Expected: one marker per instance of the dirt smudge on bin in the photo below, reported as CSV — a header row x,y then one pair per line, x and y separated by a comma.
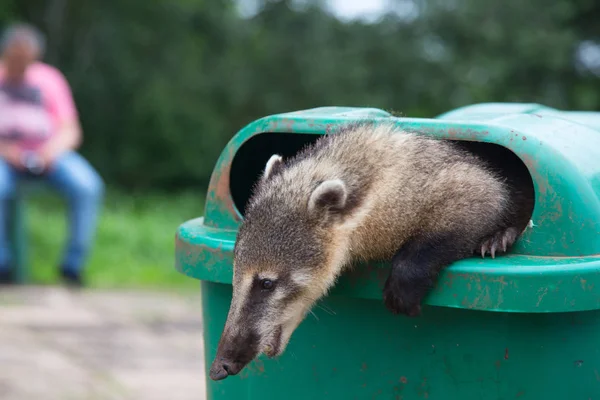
x,y
260,366
423,391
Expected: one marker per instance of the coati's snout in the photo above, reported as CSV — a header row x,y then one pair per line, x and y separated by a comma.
x,y
237,348
231,358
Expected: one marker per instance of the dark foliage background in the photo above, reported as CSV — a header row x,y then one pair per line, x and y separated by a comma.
x,y
162,85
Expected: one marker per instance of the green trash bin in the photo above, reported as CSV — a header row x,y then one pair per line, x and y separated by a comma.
x,y
520,326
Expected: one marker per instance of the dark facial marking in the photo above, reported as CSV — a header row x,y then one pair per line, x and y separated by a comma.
x,y
256,303
260,293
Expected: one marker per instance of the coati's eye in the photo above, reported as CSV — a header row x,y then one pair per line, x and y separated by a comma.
x,y
267,284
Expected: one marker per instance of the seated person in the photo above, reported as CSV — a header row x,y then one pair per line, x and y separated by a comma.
x,y
39,132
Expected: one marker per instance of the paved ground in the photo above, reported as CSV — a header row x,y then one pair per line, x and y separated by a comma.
x,y
57,344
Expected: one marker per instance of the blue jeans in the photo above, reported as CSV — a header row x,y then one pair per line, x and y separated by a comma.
x,y
80,184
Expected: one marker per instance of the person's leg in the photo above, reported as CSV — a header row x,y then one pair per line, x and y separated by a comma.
x,y
83,189
8,179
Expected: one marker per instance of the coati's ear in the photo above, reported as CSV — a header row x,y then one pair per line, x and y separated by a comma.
x,y
273,165
329,195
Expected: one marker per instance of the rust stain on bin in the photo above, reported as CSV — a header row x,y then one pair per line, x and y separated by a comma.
x,y
219,200
287,123
260,366
206,256
458,133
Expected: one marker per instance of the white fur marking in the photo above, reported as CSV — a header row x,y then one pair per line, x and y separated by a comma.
x,y
277,296
271,277
301,278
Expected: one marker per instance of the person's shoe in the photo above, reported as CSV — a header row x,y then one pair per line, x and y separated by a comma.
x,y
71,278
7,275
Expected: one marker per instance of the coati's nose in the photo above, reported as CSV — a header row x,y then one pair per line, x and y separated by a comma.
x,y
221,369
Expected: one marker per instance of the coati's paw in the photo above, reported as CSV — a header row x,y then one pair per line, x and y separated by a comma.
x,y
500,241
400,299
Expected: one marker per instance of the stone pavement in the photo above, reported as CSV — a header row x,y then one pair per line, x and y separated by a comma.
x,y
99,345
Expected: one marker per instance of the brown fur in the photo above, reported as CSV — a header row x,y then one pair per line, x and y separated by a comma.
x,y
415,184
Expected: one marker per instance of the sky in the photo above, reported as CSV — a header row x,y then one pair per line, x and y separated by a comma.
x,y
367,10
361,9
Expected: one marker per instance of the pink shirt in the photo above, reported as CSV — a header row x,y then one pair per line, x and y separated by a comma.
x,y
37,123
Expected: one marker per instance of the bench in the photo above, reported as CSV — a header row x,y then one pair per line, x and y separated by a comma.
x,y
17,228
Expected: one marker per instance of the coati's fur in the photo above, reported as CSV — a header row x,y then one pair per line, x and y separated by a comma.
x,y
367,192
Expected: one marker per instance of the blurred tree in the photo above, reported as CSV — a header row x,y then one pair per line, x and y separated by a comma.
x,y
507,51
162,85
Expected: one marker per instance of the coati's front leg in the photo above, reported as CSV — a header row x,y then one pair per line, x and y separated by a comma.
x,y
415,268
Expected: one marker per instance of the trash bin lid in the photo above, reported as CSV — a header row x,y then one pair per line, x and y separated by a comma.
x,y
555,265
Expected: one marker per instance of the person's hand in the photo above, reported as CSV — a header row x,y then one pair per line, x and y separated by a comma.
x,y
50,152
47,156
13,155
68,138
23,160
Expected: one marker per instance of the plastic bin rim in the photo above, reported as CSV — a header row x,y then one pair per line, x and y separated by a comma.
x,y
511,283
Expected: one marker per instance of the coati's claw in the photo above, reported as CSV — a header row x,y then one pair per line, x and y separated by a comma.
x,y
500,241
484,248
400,300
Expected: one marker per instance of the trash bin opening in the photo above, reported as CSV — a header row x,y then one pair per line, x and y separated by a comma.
x,y
249,161
251,158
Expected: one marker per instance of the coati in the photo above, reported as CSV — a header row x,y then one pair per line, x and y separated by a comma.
x,y
368,192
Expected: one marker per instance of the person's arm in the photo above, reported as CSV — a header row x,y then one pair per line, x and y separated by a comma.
x,y
9,150
61,104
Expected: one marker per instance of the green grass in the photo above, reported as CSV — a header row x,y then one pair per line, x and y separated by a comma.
x,y
134,246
